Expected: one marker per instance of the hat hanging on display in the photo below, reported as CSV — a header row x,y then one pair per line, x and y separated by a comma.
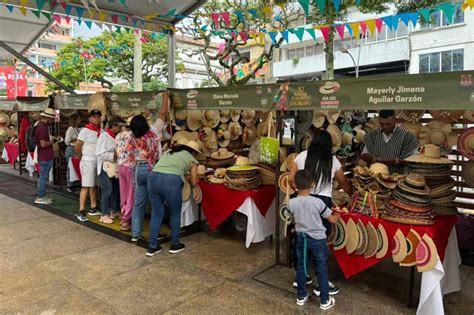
x,y
466,143
222,154
225,116
352,236
426,254
332,116
14,119
284,184
412,127
347,138
332,235
235,115
178,119
235,130
193,119
341,235
359,134
4,119
223,136
411,115
372,124
468,173
336,137
197,194
210,118
469,115
413,239
305,141
186,191
373,241
305,119
248,117
207,134
319,117
182,134
438,133
363,239
290,160
399,247
201,170
249,135
382,250
447,116
430,154
48,112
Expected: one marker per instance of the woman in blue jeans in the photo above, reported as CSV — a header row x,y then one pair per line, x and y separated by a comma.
x,y
165,184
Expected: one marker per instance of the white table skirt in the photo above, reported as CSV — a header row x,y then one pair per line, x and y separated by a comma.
x,y
189,212
259,227
442,279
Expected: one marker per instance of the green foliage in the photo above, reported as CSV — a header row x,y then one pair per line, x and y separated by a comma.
x,y
112,55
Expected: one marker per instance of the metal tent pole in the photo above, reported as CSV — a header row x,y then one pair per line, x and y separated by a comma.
x,y
172,60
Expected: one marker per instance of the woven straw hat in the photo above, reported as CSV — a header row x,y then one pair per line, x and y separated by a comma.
x,y
193,145
341,235
225,116
249,135
223,137
4,119
248,117
399,247
383,242
235,130
319,117
305,120
186,191
352,236
14,119
218,176
290,160
411,115
235,115
373,240
412,127
347,138
336,137
447,116
426,254
222,154
430,154
332,116
466,143
413,239
193,119
210,118
363,239
283,183
360,134
182,134
197,194
414,184
201,170
438,133
468,173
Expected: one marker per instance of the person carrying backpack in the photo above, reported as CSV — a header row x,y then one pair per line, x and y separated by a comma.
x,y
44,144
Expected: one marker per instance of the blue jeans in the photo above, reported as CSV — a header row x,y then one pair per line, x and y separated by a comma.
x,y
165,188
45,168
319,251
110,195
141,198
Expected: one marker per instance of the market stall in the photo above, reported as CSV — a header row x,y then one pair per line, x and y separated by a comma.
x,y
8,133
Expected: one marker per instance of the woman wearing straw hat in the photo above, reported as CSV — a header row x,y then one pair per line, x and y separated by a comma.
x,y
324,167
165,185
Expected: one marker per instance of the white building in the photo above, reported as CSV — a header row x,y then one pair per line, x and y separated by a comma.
x,y
390,51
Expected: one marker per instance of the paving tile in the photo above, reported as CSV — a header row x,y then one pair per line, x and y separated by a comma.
x,y
156,288
21,213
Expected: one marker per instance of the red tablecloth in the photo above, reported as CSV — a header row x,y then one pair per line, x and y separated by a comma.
x,y
12,152
219,202
351,264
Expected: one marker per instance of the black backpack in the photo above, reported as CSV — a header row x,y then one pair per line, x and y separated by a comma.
x,y
30,138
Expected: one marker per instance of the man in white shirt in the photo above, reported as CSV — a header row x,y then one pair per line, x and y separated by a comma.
x,y
107,171
85,150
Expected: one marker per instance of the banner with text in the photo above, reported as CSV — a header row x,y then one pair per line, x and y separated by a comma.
x,y
133,101
77,102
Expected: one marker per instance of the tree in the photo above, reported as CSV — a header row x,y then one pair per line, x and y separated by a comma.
x,y
246,19
111,55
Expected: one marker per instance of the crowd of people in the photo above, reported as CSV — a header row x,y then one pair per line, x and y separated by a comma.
x,y
126,160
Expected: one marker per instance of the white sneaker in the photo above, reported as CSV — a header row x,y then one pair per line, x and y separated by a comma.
x,y
330,303
43,201
302,301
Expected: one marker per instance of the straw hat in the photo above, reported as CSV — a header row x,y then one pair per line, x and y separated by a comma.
x,y
235,130
329,87
336,137
373,240
305,119
223,136
413,239
332,116
352,236
249,135
193,145
283,183
97,101
447,116
207,134
305,141
225,116
319,117
4,119
210,118
218,176
414,184
411,115
178,118
466,143
290,160
383,242
399,247
235,115
222,154
426,254
242,161
412,127
182,134
248,117
210,146
430,154
468,173
372,124
469,115
14,119
197,194
438,133
347,138
193,119
332,235
341,235
359,134
363,239
201,170
186,191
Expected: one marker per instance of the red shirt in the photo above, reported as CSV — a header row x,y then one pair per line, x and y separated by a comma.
x,y
42,133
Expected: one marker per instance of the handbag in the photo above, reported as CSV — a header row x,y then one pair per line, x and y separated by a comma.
x,y
110,168
269,146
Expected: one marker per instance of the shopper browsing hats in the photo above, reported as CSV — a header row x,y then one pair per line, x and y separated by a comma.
x,y
85,150
389,144
70,140
165,185
311,237
107,171
45,152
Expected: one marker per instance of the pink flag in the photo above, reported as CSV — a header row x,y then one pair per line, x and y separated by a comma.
x,y
226,18
378,24
114,18
215,18
363,27
340,30
325,31
243,36
57,19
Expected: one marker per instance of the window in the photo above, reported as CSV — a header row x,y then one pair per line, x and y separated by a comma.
x,y
300,52
446,61
65,32
309,51
47,46
291,54
45,61
438,18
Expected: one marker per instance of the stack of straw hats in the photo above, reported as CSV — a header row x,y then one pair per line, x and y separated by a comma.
x,y
267,174
221,158
242,176
410,203
437,173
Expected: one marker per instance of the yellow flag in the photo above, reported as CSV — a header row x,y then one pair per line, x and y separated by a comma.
x,y
267,10
23,4
371,26
355,29
102,16
261,37
91,13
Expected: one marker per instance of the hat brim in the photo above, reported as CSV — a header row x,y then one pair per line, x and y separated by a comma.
x,y
47,116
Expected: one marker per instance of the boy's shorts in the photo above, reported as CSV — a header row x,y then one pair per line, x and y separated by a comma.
x,y
88,173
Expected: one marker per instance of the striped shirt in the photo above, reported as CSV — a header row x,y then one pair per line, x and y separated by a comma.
x,y
400,145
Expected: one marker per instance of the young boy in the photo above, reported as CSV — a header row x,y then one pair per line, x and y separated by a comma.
x,y
311,237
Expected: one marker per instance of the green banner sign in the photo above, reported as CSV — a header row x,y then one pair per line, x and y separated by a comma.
x,y
7,105
454,90
133,101
237,97
80,101
35,105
